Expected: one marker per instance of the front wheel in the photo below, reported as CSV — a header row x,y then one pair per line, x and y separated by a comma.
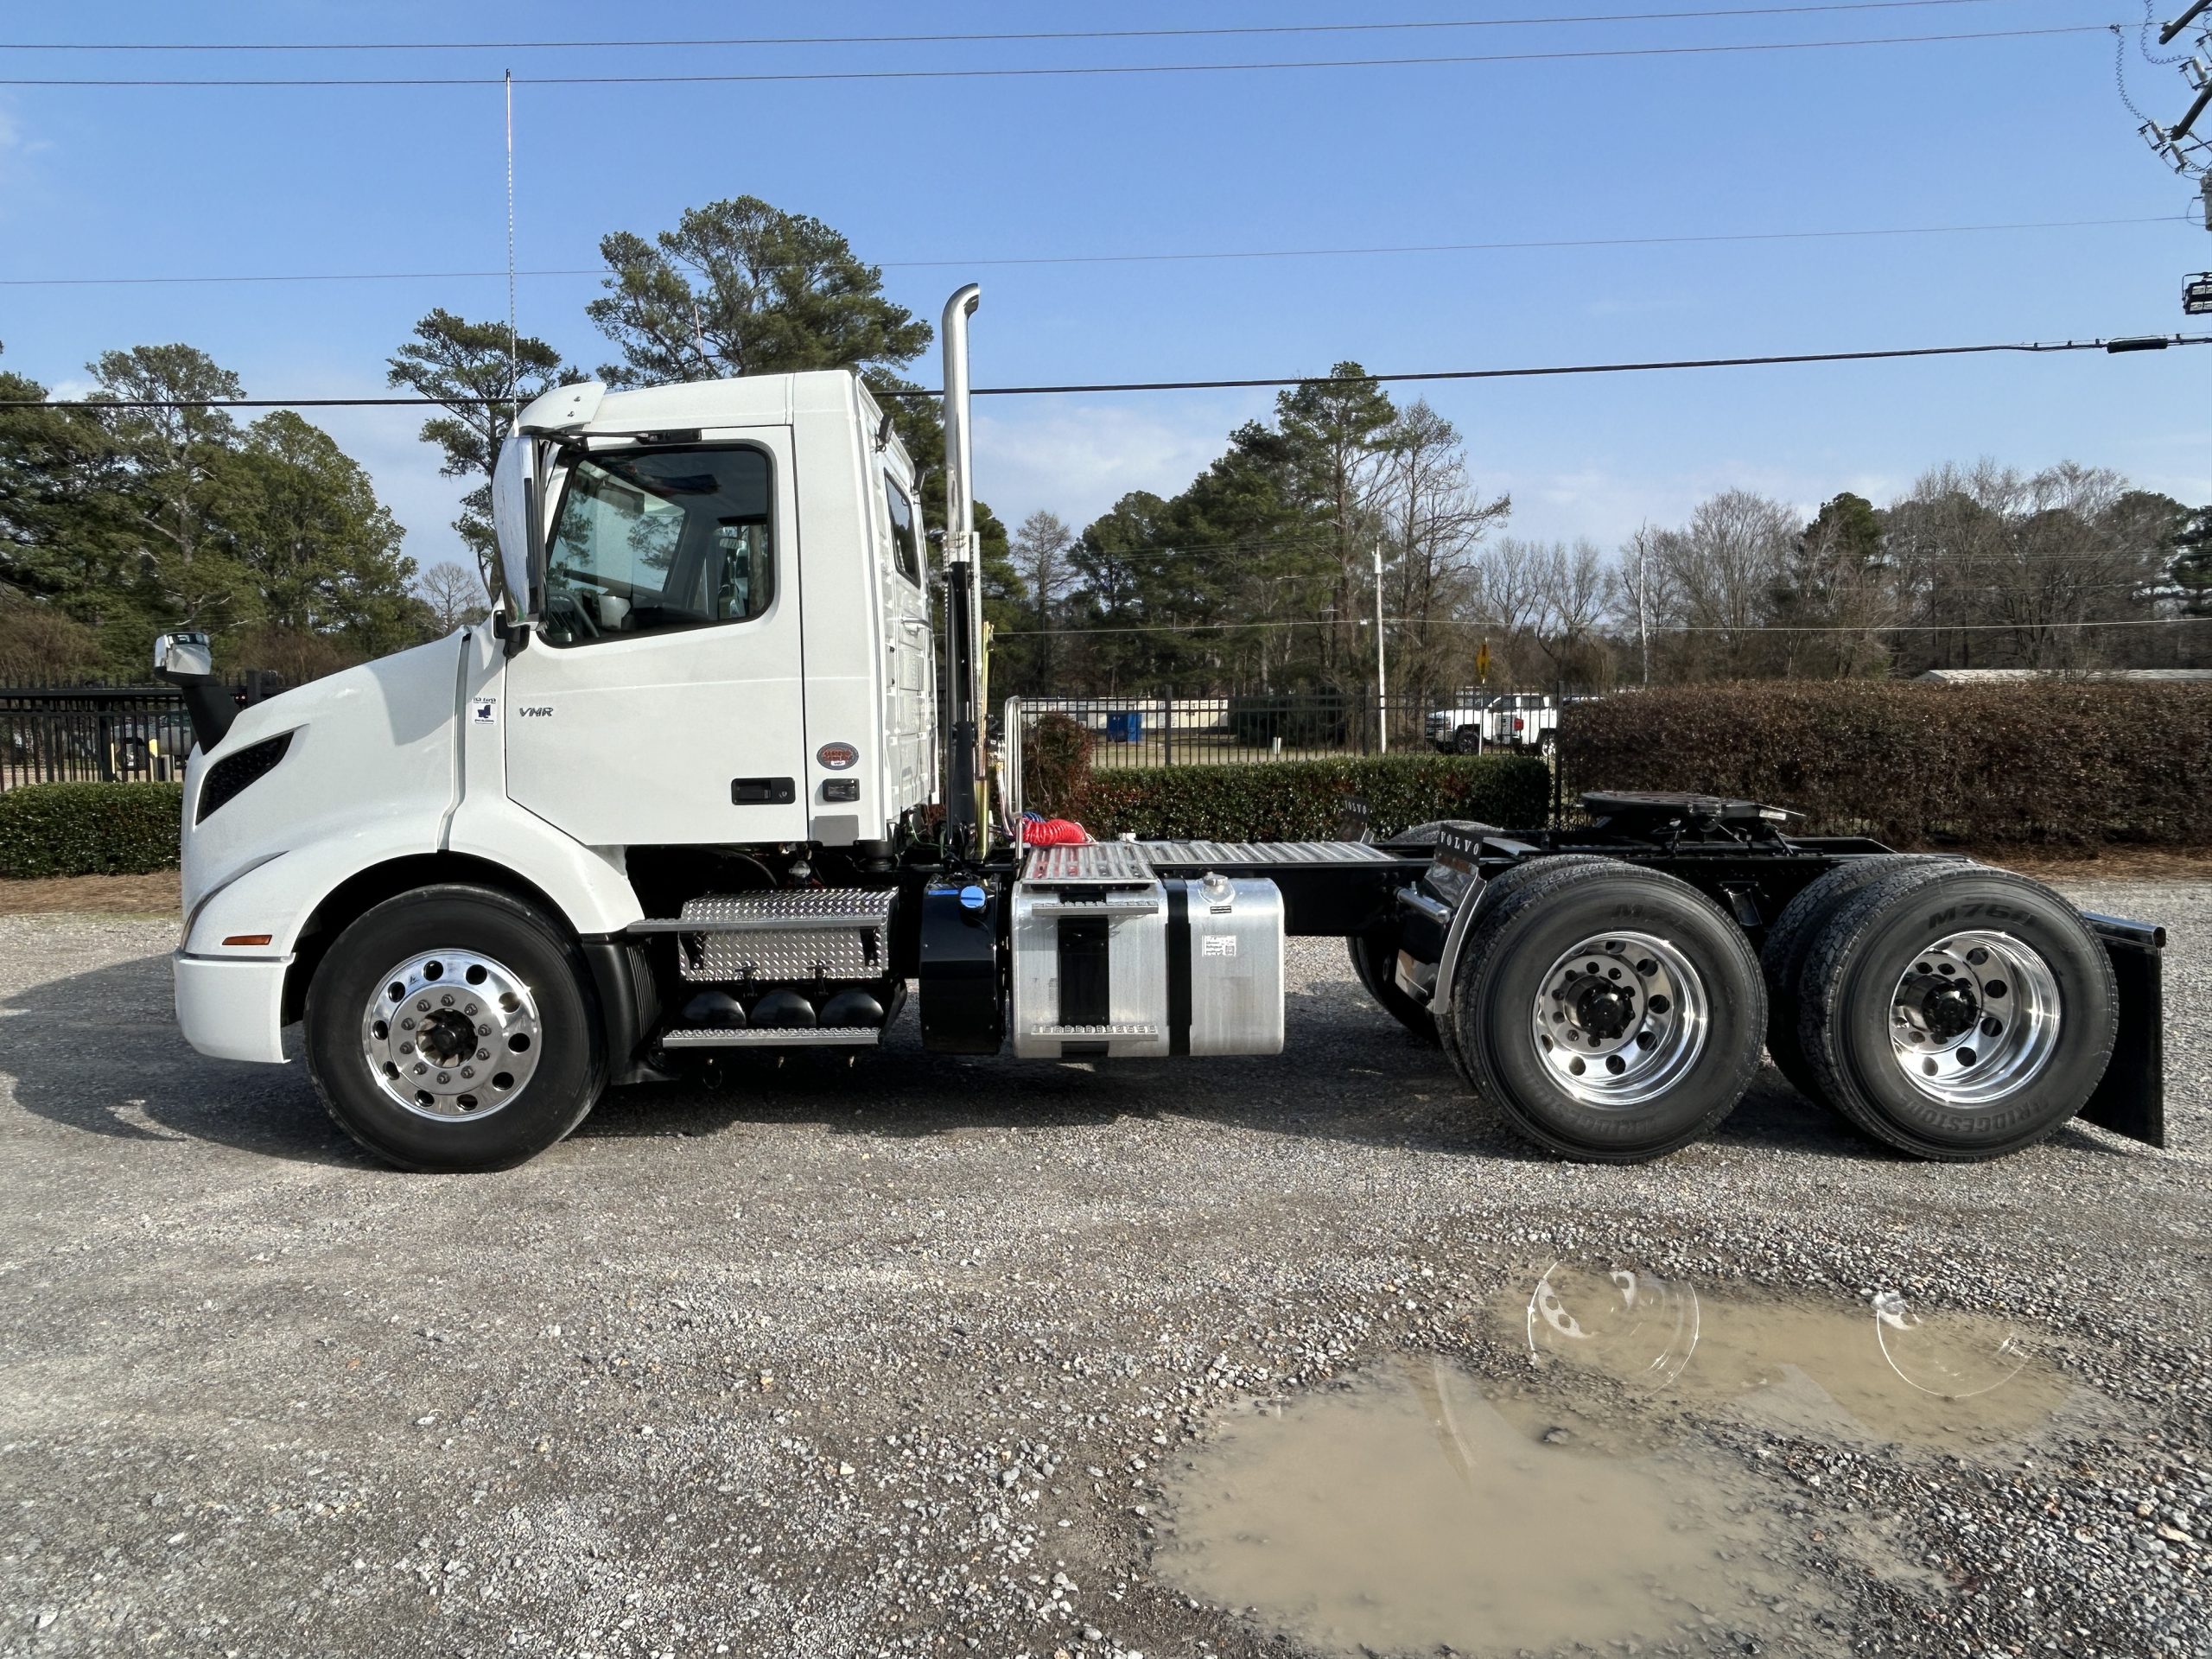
x,y
1466,740
1613,1014
451,1028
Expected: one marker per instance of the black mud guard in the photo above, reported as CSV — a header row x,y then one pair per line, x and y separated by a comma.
x,y
2131,1100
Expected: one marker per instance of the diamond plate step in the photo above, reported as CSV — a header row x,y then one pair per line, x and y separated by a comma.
x,y
773,1036
809,933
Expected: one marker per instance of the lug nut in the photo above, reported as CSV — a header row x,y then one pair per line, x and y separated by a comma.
x,y
483,1053
467,1071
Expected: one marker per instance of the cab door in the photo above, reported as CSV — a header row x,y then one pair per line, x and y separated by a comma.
x,y
909,651
662,700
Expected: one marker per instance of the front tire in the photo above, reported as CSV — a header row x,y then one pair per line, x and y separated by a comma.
x,y
453,1028
1957,1012
1466,740
1613,1014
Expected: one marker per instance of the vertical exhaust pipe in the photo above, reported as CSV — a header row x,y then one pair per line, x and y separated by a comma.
x,y
963,668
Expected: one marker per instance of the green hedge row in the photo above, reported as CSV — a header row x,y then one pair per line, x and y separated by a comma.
x,y
2060,762
1299,800
90,828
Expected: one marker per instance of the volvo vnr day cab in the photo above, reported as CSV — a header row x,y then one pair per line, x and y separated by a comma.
x,y
697,787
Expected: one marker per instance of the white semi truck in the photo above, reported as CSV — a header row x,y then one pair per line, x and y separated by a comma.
x,y
697,787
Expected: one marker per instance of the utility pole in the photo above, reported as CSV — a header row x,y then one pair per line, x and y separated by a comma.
x,y
2181,146
1381,692
1643,593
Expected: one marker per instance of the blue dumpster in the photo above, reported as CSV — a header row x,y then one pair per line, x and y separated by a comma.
x,y
1125,726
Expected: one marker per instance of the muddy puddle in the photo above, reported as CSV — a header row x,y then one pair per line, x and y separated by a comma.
x,y
1608,1490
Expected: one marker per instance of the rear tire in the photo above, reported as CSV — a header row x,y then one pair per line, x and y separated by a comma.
x,y
1613,1014
519,1015
1957,1012
1375,959
1782,960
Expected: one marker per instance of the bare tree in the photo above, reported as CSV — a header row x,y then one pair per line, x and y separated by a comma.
x,y
1644,605
1574,588
1041,550
454,595
1436,521
1727,566
1504,602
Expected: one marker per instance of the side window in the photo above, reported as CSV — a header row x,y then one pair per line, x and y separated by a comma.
x,y
650,540
904,550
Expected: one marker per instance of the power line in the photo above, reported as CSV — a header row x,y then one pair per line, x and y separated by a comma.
x,y
1553,243
1085,70
2118,344
1677,627
975,39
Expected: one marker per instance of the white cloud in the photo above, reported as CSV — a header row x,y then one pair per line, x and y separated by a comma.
x,y
1606,504
15,147
1077,460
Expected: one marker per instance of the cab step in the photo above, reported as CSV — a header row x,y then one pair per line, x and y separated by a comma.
x,y
773,1036
810,933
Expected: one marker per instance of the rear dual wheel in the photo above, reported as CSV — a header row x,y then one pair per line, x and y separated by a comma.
x,y
1952,1011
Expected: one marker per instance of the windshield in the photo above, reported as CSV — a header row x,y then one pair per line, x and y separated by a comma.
x,y
660,539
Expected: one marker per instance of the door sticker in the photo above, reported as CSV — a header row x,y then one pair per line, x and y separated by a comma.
x,y
838,756
484,711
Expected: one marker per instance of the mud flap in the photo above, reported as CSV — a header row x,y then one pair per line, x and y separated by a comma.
x,y
2131,1100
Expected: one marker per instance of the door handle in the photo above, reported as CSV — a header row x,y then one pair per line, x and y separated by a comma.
x,y
762,792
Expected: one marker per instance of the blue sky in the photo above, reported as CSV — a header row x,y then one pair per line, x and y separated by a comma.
x,y
144,181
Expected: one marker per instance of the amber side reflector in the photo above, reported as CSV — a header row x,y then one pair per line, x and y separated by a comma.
x,y
249,938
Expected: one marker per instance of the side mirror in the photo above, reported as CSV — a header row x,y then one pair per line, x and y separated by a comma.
x,y
188,660
183,658
517,521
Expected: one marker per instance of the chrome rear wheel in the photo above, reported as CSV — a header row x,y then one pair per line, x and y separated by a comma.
x,y
1975,1019
1619,1019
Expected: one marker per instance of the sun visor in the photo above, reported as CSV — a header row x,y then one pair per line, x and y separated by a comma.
x,y
565,409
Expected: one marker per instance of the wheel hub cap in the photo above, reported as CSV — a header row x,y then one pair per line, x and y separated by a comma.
x,y
1974,1019
451,1034
1619,1019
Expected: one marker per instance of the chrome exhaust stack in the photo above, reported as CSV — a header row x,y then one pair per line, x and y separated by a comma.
x,y
964,753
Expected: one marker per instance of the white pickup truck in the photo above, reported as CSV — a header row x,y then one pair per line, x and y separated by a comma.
x,y
1509,720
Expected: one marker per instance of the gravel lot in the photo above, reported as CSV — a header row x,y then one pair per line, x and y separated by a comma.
x,y
906,1357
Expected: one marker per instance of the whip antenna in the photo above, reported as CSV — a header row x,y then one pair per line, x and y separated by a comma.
x,y
514,375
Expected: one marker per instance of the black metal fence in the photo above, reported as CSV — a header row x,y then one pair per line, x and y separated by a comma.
x,y
1166,729
106,734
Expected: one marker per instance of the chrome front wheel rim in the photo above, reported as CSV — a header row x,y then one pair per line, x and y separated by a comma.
x,y
1620,1018
1974,1019
452,1035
